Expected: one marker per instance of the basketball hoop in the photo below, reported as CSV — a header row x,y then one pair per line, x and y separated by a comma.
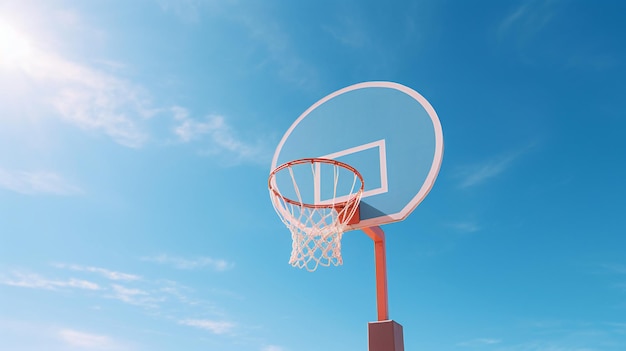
x,y
317,213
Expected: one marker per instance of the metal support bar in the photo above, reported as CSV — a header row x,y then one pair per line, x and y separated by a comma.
x,y
384,335
377,234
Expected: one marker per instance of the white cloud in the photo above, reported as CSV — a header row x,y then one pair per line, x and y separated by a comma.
x,y
36,182
479,342
178,291
528,19
88,341
112,275
215,327
619,328
547,346
271,42
480,172
468,227
183,263
217,138
86,97
513,18
126,294
190,129
279,50
615,268
350,32
101,101
164,299
567,335
37,282
95,100
187,10
135,296
180,113
33,335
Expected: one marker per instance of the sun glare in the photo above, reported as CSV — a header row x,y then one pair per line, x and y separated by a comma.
x,y
14,47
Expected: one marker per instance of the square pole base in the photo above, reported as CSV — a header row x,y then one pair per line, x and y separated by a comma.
x,y
385,336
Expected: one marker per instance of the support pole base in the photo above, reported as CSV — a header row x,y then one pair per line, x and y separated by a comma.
x,y
385,336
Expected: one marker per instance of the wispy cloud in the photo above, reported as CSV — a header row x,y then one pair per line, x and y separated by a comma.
x,y
350,32
36,182
617,271
547,346
187,10
528,19
479,342
527,25
215,327
216,137
82,340
29,280
160,298
272,44
84,96
135,290
112,275
189,129
92,107
98,99
614,268
467,227
37,335
478,173
135,296
178,291
619,328
279,50
195,263
566,335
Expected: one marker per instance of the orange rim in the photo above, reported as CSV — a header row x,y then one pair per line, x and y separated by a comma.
x,y
313,160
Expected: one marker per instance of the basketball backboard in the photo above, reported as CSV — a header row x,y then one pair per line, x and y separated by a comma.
x,y
387,131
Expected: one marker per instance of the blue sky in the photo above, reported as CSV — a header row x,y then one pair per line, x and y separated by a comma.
x,y
136,139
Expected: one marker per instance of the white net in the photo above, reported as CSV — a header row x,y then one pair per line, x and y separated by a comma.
x,y
316,226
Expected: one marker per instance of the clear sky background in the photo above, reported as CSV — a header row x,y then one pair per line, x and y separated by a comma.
x,y
136,139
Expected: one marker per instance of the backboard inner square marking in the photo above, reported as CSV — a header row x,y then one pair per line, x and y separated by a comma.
x,y
375,179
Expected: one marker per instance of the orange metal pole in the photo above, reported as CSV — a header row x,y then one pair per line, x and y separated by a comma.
x,y
377,234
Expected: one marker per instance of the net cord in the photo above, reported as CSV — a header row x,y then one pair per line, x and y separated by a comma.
x,y
316,231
